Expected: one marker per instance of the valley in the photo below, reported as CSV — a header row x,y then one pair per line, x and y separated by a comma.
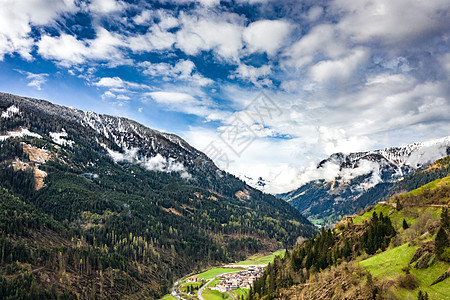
x,y
102,207
127,209
210,284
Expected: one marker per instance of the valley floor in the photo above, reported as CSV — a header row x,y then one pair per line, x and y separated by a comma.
x,y
206,285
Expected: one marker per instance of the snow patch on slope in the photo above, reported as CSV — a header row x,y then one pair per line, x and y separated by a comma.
x,y
20,133
60,138
10,111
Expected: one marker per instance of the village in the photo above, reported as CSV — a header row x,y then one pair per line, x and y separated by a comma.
x,y
242,279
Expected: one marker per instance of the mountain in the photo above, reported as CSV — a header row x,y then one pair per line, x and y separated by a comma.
x,y
96,206
346,183
395,250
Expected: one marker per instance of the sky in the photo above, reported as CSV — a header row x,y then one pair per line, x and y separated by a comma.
x,y
265,88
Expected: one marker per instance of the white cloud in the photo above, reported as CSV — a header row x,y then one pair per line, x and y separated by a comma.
x,y
155,163
258,76
106,6
110,82
117,83
340,69
206,3
388,21
186,103
322,40
314,13
155,39
66,50
332,140
166,20
144,17
445,63
122,97
182,70
266,35
108,94
172,98
36,80
222,34
18,17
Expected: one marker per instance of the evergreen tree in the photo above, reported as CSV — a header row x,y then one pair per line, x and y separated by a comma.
x,y
405,224
420,296
441,241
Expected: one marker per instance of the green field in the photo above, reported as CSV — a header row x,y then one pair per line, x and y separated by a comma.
x,y
260,259
410,214
214,282
388,265
430,186
239,292
214,295
211,273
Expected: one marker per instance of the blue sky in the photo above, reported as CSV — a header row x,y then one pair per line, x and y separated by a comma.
x,y
339,75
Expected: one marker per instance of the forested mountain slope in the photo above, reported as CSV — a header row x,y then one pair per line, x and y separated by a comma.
x,y
101,206
396,250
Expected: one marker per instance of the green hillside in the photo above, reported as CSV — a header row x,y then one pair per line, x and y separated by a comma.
x,y
394,250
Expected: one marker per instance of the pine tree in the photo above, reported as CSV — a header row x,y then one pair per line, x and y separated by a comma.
x,y
441,241
405,224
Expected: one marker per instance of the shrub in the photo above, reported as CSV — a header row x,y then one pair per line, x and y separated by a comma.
x,y
407,281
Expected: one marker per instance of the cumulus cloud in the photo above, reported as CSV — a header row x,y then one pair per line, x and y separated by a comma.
x,y
163,18
117,82
67,50
199,33
266,35
18,17
339,69
332,140
389,21
322,40
258,76
156,39
105,6
182,70
314,13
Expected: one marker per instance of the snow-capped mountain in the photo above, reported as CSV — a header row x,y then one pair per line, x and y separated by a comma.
x,y
400,160
345,183
131,141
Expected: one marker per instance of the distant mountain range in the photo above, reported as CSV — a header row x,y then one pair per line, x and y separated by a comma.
x,y
354,181
104,207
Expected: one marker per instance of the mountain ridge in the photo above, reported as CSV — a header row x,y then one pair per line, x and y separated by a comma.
x,y
346,183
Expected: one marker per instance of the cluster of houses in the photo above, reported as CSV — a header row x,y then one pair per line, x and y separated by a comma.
x,y
241,279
